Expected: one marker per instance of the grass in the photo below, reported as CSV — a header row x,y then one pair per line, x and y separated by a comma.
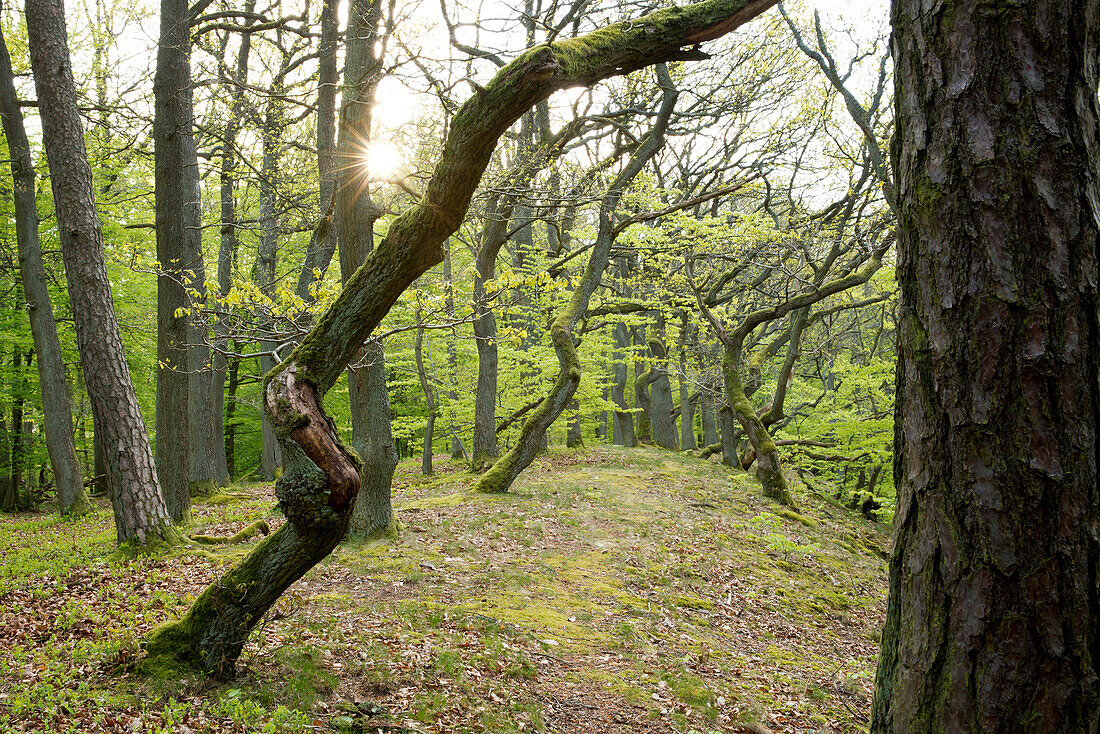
x,y
613,589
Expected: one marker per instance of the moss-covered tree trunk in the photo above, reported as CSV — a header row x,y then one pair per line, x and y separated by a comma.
x,y
993,618
319,488
768,468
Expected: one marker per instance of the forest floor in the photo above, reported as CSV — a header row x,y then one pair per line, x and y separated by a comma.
x,y
612,590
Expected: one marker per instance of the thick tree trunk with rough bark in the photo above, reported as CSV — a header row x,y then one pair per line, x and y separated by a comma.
x,y
322,481
140,512
993,618
57,407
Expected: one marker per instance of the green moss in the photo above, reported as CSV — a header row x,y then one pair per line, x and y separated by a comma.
x,y
792,515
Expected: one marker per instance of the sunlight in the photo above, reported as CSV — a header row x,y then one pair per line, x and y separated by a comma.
x,y
384,161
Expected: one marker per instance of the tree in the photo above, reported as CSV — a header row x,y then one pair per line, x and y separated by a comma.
x,y
185,438
320,485
57,405
992,620
140,512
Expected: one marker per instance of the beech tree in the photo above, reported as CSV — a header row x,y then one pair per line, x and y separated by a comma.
x,y
992,623
319,487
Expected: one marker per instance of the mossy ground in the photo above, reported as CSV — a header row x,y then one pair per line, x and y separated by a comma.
x,y
611,590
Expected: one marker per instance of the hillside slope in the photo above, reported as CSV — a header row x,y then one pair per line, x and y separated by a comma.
x,y
614,590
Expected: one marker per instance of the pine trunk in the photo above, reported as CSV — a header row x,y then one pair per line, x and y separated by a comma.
x,y
994,605
140,512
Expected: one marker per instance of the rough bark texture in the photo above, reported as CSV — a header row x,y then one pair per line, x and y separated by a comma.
x,y
179,251
140,512
994,606
57,408
322,479
322,244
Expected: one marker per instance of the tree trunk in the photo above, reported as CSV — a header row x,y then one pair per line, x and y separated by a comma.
x,y
322,244
573,437
224,467
643,376
664,426
319,488
768,469
371,429
57,410
429,398
500,477
706,416
457,452
14,484
729,435
992,621
179,251
140,512
623,421
687,405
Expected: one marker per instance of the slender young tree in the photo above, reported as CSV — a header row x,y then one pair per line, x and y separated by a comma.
x,y
992,622
140,512
184,447
54,384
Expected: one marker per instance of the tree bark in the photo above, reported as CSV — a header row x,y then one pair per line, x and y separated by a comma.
x,y
623,421
429,398
57,407
321,484
994,607
322,243
371,429
181,269
687,404
661,420
140,512
222,411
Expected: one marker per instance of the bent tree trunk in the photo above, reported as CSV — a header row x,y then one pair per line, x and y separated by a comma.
x,y
767,458
57,406
992,622
531,435
140,512
318,489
